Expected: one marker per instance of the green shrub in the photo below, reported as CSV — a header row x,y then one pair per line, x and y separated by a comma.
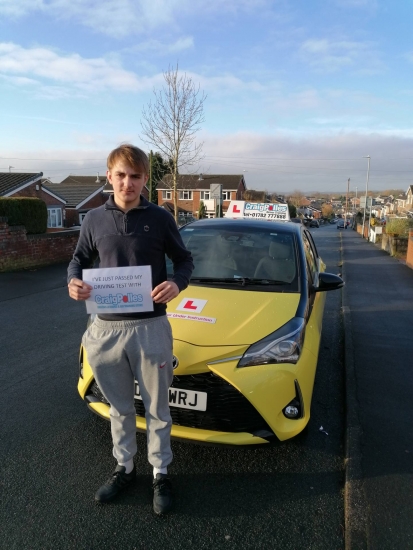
x,y
30,212
398,226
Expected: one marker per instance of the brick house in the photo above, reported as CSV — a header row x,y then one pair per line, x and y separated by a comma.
x,y
17,184
81,193
192,189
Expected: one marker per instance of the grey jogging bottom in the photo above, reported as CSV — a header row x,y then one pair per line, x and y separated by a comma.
x,y
120,352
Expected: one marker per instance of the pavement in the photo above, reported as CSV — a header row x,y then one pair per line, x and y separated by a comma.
x,y
48,277
378,328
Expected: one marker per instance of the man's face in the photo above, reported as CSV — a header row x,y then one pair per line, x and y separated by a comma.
x,y
127,183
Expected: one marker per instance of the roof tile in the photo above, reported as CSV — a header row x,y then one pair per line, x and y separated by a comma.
x,y
10,181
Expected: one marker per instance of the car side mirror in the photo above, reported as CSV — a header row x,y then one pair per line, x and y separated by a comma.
x,y
328,281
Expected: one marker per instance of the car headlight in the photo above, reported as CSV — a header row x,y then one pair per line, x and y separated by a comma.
x,y
282,346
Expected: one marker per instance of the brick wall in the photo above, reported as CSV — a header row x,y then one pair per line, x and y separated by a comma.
x,y
366,229
19,250
395,246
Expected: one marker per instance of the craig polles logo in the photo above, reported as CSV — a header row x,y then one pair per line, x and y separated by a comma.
x,y
119,299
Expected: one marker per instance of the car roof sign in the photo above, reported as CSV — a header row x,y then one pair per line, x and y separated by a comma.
x,y
258,211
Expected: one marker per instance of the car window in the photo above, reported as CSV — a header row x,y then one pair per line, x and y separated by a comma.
x,y
312,244
257,255
310,255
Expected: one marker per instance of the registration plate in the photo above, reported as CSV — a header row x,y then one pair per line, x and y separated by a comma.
x,y
183,399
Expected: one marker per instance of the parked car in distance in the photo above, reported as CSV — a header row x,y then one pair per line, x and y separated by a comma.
x,y
314,223
340,224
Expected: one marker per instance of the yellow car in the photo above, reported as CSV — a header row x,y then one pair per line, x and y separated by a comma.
x,y
246,334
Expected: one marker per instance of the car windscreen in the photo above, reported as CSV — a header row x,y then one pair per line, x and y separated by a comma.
x,y
244,257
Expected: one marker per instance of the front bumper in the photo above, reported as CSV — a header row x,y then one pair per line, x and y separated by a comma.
x,y
245,406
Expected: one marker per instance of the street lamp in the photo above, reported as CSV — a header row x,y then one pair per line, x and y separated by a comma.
x,y
367,187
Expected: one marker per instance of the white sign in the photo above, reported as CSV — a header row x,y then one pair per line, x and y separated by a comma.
x,y
192,305
216,190
258,211
119,289
363,202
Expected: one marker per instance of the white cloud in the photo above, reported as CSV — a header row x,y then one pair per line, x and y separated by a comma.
x,y
18,8
58,74
19,80
113,17
119,18
328,55
45,65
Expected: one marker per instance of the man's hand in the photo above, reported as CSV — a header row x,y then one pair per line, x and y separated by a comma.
x,y
79,290
165,292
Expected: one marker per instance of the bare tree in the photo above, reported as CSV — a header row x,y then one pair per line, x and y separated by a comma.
x,y
171,121
251,195
297,198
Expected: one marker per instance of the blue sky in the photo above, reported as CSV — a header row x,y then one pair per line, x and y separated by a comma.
x,y
298,92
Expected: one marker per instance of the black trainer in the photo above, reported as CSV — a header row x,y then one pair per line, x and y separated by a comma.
x,y
115,484
162,494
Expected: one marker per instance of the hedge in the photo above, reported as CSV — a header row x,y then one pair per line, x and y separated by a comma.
x,y
399,226
30,212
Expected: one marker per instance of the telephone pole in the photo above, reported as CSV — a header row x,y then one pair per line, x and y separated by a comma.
x,y
367,189
348,187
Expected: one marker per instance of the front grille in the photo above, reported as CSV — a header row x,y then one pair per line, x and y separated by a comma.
x,y
227,409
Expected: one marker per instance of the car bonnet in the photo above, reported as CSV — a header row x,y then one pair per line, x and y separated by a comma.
x,y
205,316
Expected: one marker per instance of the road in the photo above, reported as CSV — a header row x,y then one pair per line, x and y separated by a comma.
x,y
55,453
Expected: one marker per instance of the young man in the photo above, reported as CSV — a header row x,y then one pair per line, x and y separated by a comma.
x,y
130,231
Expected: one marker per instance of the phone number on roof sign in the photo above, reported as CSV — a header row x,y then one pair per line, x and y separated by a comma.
x,y
264,215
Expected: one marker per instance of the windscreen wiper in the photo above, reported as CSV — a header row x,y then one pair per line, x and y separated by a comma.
x,y
239,281
249,281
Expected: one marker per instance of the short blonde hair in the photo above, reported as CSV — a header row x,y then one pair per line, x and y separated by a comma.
x,y
131,155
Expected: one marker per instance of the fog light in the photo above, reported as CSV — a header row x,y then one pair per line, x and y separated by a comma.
x,y
291,411
295,408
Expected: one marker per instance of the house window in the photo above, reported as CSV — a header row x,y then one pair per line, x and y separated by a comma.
x,y
205,195
54,217
226,195
185,195
167,195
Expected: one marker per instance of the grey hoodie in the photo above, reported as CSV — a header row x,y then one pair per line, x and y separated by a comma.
x,y
141,236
